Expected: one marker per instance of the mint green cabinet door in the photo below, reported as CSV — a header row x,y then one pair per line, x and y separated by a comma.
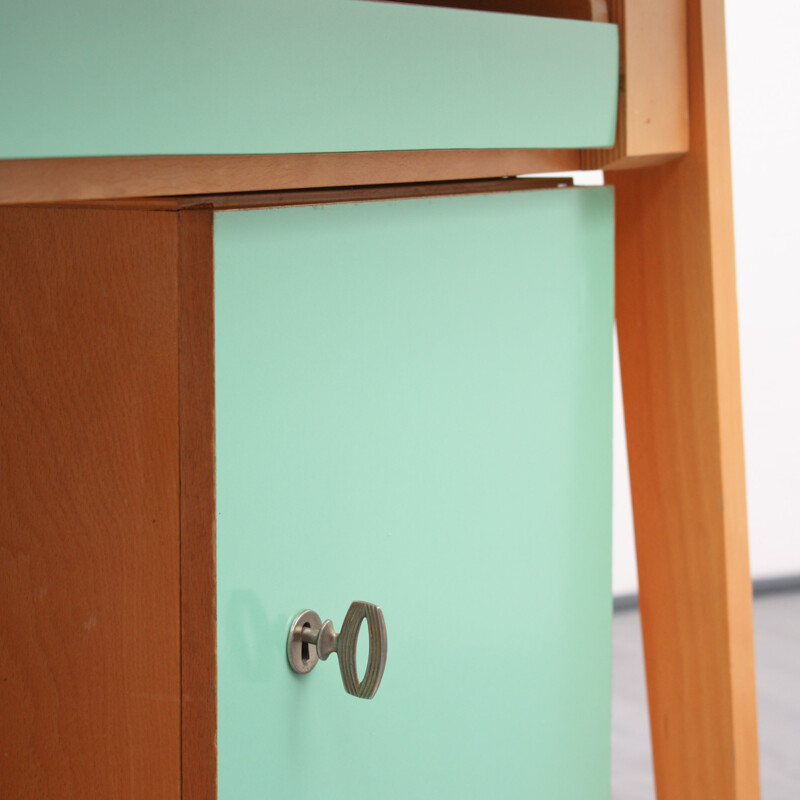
x,y
414,409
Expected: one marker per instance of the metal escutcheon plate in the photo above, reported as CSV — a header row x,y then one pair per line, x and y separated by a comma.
x,y
302,656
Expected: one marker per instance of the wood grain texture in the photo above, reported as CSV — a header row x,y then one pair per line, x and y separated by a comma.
x,y
89,548
589,10
777,635
198,509
315,197
653,116
677,323
53,180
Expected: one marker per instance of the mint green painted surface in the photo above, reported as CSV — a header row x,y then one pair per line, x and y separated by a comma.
x,y
107,77
414,409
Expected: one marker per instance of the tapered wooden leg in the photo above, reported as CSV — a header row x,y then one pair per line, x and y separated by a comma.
x,y
677,324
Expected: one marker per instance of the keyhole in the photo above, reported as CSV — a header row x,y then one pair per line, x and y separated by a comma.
x,y
304,651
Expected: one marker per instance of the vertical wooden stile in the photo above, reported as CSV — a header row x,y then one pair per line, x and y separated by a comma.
x,y
198,512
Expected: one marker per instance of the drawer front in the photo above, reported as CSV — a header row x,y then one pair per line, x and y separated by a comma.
x,y
95,78
414,409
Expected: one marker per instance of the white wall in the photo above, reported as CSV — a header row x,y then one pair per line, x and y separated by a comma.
x,y
764,96
764,78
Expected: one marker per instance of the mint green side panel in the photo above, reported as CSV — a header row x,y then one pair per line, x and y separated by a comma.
x,y
414,409
106,77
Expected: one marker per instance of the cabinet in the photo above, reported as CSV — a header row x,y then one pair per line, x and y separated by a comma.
x,y
409,396
108,575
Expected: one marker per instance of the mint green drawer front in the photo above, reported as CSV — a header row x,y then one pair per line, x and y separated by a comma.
x,y
103,77
414,409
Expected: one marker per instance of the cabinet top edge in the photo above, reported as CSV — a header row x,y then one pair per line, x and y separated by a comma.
x,y
322,196
61,180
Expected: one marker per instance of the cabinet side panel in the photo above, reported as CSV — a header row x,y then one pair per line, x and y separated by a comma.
x,y
89,548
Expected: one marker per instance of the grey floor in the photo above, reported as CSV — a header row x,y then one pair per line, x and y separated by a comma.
x,y
777,634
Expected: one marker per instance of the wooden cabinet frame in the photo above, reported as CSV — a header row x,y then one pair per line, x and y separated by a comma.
x,y
679,353
677,322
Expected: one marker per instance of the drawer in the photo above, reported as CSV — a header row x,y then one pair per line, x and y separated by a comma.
x,y
413,408
295,76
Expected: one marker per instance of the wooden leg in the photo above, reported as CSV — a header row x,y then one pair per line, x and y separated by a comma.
x,y
677,324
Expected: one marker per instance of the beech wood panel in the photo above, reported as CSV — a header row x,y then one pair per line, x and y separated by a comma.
x,y
89,549
677,323
198,509
653,115
53,180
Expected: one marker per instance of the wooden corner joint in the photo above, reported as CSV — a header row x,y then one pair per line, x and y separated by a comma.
x,y
653,113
